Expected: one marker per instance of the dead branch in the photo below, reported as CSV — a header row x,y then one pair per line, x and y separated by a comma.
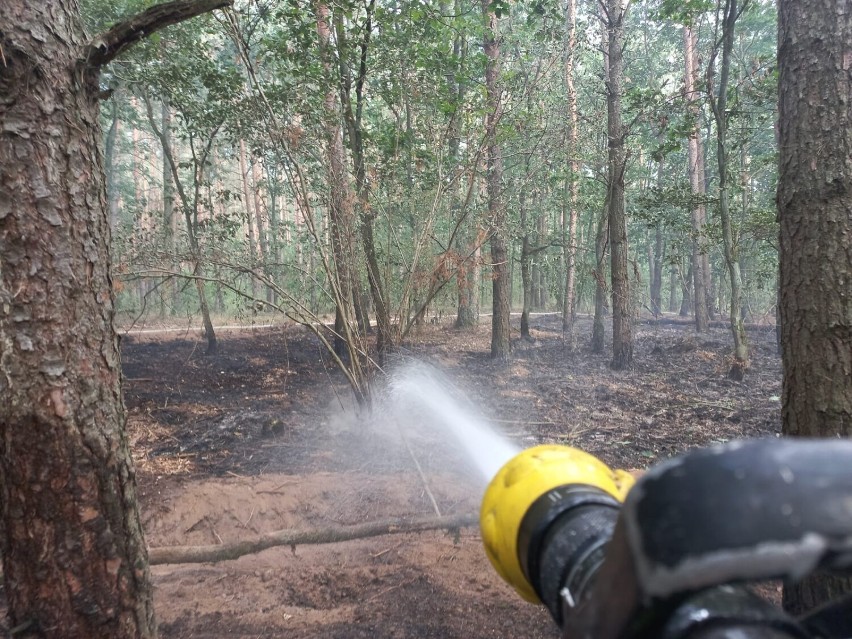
x,y
292,538
106,46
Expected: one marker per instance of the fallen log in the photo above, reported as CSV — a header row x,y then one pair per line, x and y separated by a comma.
x,y
677,321
293,538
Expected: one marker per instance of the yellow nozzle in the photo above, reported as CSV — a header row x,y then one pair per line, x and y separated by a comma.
x,y
521,481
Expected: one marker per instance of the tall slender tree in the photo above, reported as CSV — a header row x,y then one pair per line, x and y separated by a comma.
x,y
570,211
728,11
622,331
700,263
500,342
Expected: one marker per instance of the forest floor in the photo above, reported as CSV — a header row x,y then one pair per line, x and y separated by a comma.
x,y
264,437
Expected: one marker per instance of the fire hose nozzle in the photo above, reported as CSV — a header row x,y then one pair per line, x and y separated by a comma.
x,y
527,485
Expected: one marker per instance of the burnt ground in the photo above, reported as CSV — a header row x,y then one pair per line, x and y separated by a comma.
x,y
264,436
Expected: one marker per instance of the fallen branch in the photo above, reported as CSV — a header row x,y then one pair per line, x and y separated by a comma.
x,y
293,538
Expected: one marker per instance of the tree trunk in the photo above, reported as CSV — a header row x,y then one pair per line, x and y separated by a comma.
x,y
601,241
467,280
696,180
622,332
169,218
190,214
500,343
673,278
569,230
75,562
248,203
340,199
527,273
814,205
657,271
719,103
686,292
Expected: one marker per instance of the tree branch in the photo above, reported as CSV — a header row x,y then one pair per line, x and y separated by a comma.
x,y
106,46
233,550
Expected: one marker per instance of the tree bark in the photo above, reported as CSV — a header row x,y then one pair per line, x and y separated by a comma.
x,y
341,200
75,563
500,305
386,337
815,212
686,291
601,242
569,226
527,278
169,218
696,180
622,332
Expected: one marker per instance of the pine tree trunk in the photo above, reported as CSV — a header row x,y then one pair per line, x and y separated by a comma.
x,y
569,231
815,212
169,217
500,268
622,332
248,203
696,180
601,241
75,562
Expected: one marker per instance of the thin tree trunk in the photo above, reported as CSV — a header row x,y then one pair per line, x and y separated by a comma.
x,y
569,308
248,202
190,213
719,101
500,267
622,332
601,242
341,200
169,218
686,291
696,180
673,289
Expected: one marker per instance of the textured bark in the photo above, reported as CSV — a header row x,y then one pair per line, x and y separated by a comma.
x,y
341,203
386,335
527,276
500,305
622,331
75,563
696,180
815,213
169,217
601,241
248,202
673,289
569,226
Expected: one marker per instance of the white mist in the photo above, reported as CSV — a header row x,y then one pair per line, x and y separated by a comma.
x,y
424,386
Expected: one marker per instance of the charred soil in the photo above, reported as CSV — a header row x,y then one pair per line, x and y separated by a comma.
x,y
265,437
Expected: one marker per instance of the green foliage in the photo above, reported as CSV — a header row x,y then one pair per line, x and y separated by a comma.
x,y
420,122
